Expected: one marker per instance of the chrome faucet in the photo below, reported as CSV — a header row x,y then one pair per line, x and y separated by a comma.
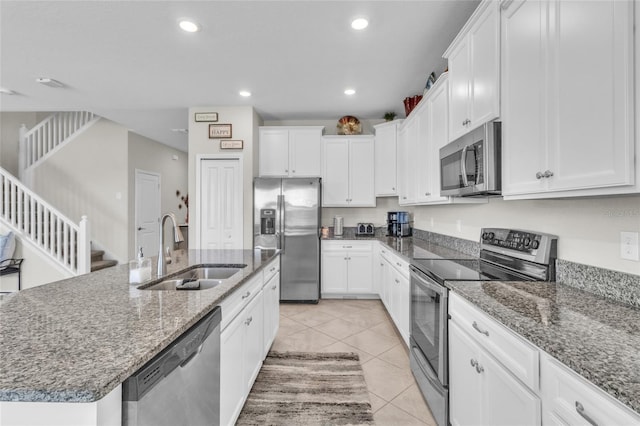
x,y
177,238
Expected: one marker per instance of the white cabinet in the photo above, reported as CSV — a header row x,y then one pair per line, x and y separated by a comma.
x,y
347,267
385,153
474,71
395,290
290,151
482,391
437,137
271,297
564,135
568,399
348,174
407,156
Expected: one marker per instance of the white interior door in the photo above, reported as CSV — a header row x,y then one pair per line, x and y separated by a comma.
x,y
221,204
147,214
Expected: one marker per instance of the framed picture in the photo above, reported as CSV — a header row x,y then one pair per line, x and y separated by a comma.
x,y
206,116
219,131
232,144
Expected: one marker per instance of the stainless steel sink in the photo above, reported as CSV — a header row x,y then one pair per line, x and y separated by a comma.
x,y
201,278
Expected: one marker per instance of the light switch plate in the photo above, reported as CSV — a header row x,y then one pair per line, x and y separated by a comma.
x,y
629,246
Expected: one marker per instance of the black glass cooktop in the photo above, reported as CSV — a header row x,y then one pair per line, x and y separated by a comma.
x,y
442,270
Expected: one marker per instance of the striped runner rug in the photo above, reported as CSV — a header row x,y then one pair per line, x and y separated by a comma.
x,y
303,388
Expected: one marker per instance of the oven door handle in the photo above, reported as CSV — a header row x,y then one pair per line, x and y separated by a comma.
x,y
463,165
431,285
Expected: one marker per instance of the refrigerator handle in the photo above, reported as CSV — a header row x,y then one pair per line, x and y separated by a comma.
x,y
279,230
282,222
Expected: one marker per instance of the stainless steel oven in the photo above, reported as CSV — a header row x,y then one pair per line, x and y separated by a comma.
x,y
428,351
505,255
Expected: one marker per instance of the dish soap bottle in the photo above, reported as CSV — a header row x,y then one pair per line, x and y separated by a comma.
x,y
139,269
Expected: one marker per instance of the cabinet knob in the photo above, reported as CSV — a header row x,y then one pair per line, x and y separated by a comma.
x,y
293,171
548,173
539,175
404,198
393,189
427,194
246,295
248,321
397,281
274,287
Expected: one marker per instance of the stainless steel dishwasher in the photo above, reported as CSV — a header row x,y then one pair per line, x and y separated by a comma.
x,y
181,385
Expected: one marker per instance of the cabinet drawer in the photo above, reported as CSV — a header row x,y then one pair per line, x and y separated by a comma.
x,y
514,353
347,245
240,298
575,401
271,269
396,261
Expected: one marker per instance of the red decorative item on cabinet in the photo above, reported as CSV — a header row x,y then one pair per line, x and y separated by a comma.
x,y
410,103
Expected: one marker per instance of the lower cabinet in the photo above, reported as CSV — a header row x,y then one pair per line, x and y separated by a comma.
x,y
241,356
347,267
395,290
482,392
271,297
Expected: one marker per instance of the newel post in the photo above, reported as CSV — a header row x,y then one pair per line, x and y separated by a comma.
x,y
22,151
84,247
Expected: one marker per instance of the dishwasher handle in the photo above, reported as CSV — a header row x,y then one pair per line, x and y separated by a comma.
x,y
178,354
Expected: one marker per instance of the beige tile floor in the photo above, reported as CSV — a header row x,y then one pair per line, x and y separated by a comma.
x,y
364,327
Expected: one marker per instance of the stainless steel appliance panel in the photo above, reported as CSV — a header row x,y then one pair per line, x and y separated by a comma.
x,y
300,266
181,385
266,193
433,391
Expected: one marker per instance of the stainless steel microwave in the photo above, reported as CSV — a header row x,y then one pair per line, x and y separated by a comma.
x,y
471,165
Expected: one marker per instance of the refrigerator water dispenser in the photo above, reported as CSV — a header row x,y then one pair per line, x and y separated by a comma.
x,y
268,221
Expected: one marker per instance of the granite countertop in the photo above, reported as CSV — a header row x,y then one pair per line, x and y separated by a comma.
x,y
77,339
408,247
596,337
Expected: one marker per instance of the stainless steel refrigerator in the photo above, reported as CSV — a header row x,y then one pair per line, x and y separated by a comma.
x,y
287,217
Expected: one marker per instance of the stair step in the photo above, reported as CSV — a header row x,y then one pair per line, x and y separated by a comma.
x,y
96,255
102,264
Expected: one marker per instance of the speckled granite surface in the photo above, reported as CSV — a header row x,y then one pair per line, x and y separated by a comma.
x,y
407,247
597,338
77,339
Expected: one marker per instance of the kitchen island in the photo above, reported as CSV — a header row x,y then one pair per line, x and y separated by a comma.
x,y
76,340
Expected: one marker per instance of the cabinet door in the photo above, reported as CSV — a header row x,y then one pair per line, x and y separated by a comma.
x,y
271,295
591,125
484,54
404,304
305,152
254,344
232,369
334,272
465,387
335,176
403,168
459,91
438,134
408,152
505,400
359,272
274,152
524,82
422,174
361,176
385,160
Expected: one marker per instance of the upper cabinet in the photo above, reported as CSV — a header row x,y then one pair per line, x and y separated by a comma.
x,y
290,151
567,98
348,176
385,159
474,71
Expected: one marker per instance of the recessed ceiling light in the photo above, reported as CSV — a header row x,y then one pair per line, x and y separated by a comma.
x,y
359,24
49,82
245,93
189,26
6,91
350,92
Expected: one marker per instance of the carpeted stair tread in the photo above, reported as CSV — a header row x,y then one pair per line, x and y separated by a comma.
x,y
101,264
96,255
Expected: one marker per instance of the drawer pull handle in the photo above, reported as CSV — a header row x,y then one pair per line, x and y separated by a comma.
x,y
580,410
399,264
475,325
246,295
346,246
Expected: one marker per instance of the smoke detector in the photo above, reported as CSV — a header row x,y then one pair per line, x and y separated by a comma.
x,y
49,82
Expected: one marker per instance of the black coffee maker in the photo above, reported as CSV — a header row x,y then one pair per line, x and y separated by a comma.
x,y
398,224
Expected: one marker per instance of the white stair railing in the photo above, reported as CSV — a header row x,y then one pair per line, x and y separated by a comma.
x,y
48,229
48,135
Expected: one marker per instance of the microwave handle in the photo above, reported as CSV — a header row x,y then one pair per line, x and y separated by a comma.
x,y
463,163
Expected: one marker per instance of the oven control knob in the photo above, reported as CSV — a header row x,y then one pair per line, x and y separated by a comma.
x,y
491,235
485,235
527,241
535,244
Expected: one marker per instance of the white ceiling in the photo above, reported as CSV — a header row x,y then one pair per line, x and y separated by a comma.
x,y
129,62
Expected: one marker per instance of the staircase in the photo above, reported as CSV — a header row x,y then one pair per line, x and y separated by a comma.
x,y
97,261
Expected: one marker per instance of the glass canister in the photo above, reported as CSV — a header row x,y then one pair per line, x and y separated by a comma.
x,y
337,226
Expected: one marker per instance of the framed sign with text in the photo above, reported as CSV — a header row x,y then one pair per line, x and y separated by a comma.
x,y
231,144
219,131
206,116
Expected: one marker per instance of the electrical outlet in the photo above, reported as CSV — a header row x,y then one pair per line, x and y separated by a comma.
x,y
629,246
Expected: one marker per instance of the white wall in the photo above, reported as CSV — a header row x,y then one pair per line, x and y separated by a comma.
x,y
10,123
245,122
148,155
89,176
